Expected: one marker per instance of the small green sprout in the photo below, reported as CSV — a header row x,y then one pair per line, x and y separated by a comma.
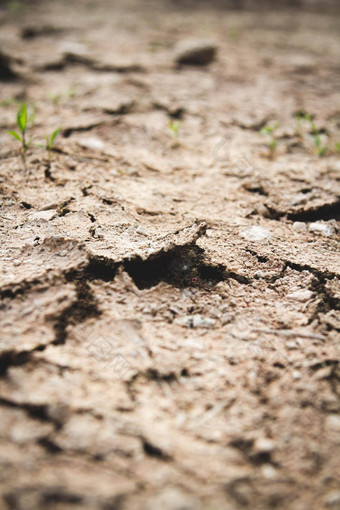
x,y
319,149
22,125
50,139
15,7
268,131
72,91
301,117
48,146
174,127
233,34
55,98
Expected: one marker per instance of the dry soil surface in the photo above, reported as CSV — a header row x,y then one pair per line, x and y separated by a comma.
x,y
170,298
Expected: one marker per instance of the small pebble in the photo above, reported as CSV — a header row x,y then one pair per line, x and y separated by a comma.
x,y
50,205
319,227
225,308
185,321
263,444
195,52
154,309
199,322
71,163
299,226
300,295
323,373
43,215
92,143
296,375
333,499
291,345
226,318
255,234
141,231
333,422
172,498
269,472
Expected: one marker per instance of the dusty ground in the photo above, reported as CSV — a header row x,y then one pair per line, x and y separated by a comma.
x,y
170,307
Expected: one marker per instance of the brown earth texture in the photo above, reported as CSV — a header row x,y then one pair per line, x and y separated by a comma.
x,y
169,272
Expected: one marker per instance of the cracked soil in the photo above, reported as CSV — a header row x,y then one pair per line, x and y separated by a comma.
x,y
169,313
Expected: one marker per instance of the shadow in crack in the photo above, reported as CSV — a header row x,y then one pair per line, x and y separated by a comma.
x,y
181,267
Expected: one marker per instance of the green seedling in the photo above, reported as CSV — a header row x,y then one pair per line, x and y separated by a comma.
x,y
268,132
61,98
55,98
174,127
21,136
319,149
15,7
49,141
300,118
233,34
72,91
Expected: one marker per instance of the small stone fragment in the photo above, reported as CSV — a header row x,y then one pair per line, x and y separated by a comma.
x,y
185,321
333,499
264,444
269,472
92,143
323,373
226,318
333,422
44,215
291,345
301,295
172,498
140,230
255,234
319,227
195,321
299,226
200,322
195,52
296,375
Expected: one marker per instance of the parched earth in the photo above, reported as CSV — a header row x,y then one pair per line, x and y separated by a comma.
x,y
170,297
